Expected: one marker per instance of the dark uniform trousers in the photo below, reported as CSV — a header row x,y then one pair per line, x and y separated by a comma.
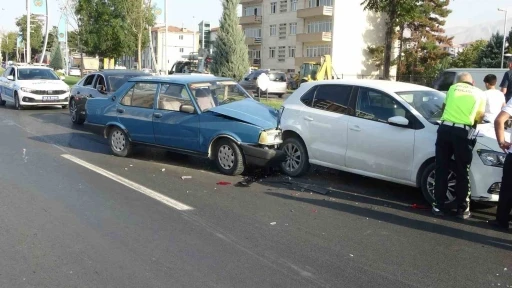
x,y
453,141
505,201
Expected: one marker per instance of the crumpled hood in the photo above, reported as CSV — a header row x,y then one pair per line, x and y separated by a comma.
x,y
43,84
487,136
249,111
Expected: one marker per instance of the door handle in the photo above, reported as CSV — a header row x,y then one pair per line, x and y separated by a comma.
x,y
307,118
120,110
157,115
355,128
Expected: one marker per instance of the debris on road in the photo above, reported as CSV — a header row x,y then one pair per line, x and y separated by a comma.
x,y
131,165
223,183
420,207
163,169
186,177
273,223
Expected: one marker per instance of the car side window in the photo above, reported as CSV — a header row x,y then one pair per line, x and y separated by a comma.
x,y
308,97
378,106
100,81
172,96
89,80
140,95
332,98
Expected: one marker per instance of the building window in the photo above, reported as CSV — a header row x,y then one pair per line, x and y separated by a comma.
x,y
283,6
252,11
273,8
282,31
181,37
293,5
254,54
293,28
281,53
317,3
253,32
272,52
291,51
317,51
320,26
273,30
182,50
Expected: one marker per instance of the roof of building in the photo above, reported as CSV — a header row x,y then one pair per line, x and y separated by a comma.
x,y
182,79
172,29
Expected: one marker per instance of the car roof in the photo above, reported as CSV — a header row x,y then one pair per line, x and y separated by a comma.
x,y
181,79
32,67
384,85
115,72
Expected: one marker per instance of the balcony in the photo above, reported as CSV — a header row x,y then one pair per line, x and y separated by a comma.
x,y
251,41
246,20
300,60
320,11
250,1
255,62
315,37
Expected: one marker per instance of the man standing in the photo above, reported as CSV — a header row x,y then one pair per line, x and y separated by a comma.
x,y
463,108
505,201
494,99
506,82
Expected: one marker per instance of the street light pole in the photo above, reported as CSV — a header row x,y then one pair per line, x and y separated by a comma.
x,y
165,35
27,55
504,36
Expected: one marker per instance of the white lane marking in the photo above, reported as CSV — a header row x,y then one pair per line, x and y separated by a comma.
x,y
146,191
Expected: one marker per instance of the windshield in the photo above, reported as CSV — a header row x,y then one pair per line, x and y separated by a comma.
x,y
37,74
217,93
117,81
428,103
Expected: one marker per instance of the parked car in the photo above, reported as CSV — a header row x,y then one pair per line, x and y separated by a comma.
x,y
96,85
449,77
74,71
278,82
29,85
381,129
198,115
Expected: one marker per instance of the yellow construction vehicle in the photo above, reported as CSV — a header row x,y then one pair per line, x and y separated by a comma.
x,y
311,71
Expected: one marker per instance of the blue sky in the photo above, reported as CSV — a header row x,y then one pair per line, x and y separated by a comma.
x,y
188,13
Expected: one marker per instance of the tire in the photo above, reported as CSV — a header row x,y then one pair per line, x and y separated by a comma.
x,y
76,118
2,102
17,104
280,95
427,185
119,142
295,164
229,158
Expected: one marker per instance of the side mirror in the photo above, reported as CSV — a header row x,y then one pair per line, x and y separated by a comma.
x,y
398,121
10,77
101,89
187,109
62,78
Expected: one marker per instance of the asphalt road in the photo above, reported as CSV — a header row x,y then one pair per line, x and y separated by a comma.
x,y
72,215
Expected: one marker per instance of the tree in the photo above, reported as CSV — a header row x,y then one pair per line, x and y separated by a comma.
x,y
230,56
140,19
56,61
490,56
103,28
398,12
9,44
469,56
36,33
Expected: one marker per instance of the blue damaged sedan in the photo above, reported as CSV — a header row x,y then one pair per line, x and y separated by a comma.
x,y
199,115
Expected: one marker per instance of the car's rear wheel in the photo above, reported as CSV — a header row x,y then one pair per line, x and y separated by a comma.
x,y
119,142
428,181
17,104
297,160
76,118
229,158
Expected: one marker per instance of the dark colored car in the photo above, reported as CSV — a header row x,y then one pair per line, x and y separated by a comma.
x,y
100,84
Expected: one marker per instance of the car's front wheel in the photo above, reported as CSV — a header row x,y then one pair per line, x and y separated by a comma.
x,y
229,158
297,160
2,101
76,118
428,182
17,104
119,142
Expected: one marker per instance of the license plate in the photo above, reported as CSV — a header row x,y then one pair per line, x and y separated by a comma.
x,y
50,98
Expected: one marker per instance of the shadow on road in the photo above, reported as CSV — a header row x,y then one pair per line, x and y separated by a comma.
x,y
395,219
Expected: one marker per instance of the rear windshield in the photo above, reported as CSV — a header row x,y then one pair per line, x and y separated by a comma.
x,y
117,81
280,77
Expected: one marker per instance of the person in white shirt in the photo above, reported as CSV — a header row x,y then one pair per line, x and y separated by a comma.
x,y
505,201
495,100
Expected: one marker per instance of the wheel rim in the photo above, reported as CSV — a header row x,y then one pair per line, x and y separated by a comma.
x,y
118,141
226,157
450,193
293,157
72,110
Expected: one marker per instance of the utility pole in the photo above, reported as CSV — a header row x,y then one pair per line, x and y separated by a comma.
x,y
504,36
165,41
45,35
27,55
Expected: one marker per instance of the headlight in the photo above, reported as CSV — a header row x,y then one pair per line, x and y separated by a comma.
x,y
28,90
270,137
492,158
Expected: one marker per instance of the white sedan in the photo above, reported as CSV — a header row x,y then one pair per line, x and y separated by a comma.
x,y
32,86
381,129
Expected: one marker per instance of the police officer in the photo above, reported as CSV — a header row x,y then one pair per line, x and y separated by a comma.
x,y
505,201
463,108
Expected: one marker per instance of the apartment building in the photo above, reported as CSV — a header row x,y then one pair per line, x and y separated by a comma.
x,y
283,34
